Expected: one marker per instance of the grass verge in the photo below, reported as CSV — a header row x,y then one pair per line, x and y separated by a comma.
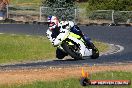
x,y
75,83
18,48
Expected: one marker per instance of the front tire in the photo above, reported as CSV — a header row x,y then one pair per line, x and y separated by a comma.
x,y
60,54
72,50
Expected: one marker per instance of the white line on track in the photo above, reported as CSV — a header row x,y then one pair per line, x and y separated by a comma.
x,y
114,50
1,33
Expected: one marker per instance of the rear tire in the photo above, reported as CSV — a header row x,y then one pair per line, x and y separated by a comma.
x,y
95,53
70,49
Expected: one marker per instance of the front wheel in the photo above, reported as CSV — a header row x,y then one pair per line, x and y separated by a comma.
x,y
72,48
60,54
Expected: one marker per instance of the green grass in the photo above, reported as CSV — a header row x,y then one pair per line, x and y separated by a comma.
x,y
25,2
18,48
21,48
38,3
101,46
82,5
75,83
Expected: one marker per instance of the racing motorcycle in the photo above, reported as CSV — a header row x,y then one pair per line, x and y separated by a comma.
x,y
74,45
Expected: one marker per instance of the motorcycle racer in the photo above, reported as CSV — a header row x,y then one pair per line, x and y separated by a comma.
x,y
56,27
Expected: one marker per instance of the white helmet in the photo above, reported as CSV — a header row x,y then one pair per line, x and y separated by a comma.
x,y
52,22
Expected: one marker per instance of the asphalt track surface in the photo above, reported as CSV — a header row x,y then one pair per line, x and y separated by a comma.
x,y
118,35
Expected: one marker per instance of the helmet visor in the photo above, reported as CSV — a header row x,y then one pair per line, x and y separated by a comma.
x,y
50,24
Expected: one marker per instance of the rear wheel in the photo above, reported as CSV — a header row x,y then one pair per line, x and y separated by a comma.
x,y
95,53
72,48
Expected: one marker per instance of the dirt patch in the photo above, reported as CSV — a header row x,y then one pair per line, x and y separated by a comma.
x,y
28,76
